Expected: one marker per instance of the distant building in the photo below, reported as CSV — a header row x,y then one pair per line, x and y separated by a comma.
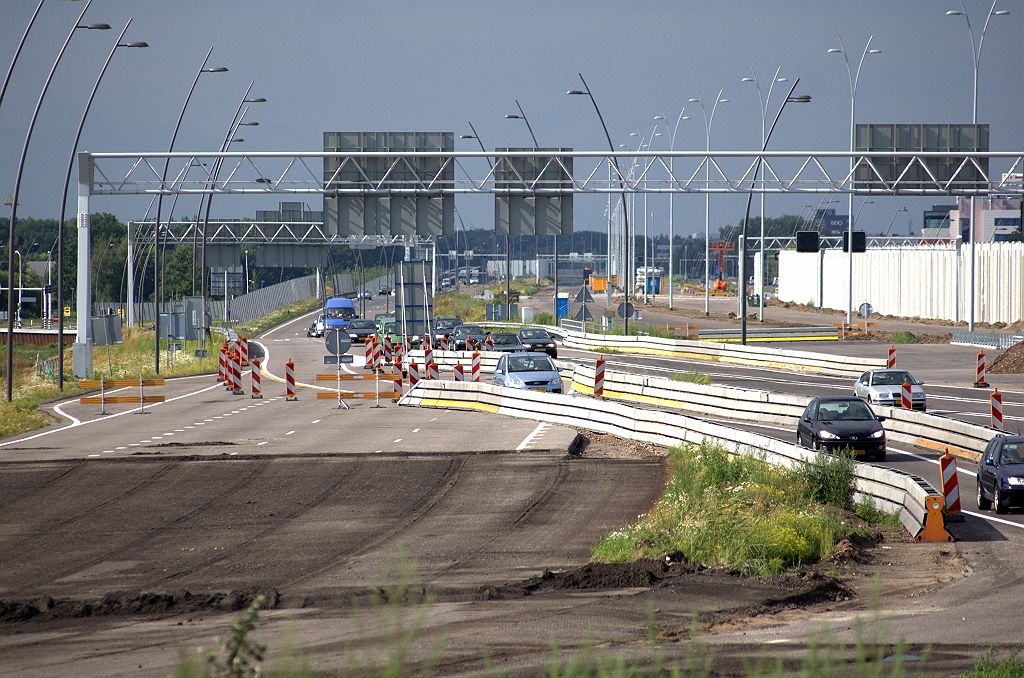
x,y
996,219
936,221
833,223
290,212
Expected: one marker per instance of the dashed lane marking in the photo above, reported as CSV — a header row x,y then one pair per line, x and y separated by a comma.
x,y
529,439
289,433
397,440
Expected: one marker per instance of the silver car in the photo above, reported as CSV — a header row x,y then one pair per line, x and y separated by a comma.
x,y
530,371
882,387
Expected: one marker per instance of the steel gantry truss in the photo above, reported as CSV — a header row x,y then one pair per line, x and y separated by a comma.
x,y
402,173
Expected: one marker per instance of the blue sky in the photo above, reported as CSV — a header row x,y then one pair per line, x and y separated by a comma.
x,y
427,66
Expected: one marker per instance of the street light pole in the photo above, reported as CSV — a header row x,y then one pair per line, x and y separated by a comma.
x,y
671,202
976,56
64,201
159,208
899,209
17,52
765,102
708,122
17,190
854,79
622,186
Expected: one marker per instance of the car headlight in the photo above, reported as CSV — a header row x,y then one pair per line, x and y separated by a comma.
x,y
551,345
1015,481
880,433
827,435
515,381
556,381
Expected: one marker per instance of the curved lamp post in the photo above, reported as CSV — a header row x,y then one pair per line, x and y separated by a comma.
x,y
622,186
976,56
708,122
159,208
765,102
742,287
854,79
671,200
64,200
17,189
899,209
17,52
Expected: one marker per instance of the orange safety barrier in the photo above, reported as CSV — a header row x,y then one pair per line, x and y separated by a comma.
x,y
475,367
890,362
289,380
934,529
103,384
979,378
906,395
414,373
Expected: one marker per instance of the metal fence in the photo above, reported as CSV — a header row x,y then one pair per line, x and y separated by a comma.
x,y
996,340
46,369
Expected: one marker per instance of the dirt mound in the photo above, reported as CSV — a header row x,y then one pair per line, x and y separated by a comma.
x,y
1010,361
134,602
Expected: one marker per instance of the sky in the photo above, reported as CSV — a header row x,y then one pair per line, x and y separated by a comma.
x,y
436,66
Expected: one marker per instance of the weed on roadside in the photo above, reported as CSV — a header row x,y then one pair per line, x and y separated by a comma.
x,y
692,377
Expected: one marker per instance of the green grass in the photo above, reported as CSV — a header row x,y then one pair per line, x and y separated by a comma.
x,y
739,512
694,377
22,413
465,306
904,338
989,667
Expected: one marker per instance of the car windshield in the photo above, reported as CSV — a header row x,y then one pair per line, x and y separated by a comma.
x,y
531,363
361,325
846,410
443,324
504,339
467,330
390,328
1010,454
343,313
891,378
535,334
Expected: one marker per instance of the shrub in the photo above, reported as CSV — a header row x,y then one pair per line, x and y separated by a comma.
x,y
829,480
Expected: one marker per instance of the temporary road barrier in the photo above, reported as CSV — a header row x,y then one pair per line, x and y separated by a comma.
x,y
368,351
888,489
950,486
414,373
428,355
443,343
236,373
289,380
979,379
388,348
103,399
331,395
255,378
229,379
432,371
221,362
376,356
890,362
475,366
996,407
243,346
406,345
459,374
906,393
488,343
470,344
599,377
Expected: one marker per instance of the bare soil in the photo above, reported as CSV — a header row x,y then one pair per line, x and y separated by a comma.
x,y
1010,361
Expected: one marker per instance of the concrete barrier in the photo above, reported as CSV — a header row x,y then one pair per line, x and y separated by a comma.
x,y
888,489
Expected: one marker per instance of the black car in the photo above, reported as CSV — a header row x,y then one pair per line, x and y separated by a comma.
x,y
836,423
463,332
1001,474
443,327
505,342
360,330
538,341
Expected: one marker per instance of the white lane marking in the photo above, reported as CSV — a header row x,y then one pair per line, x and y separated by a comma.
x,y
397,440
415,430
190,427
108,451
78,422
993,519
263,443
168,434
200,423
154,438
133,444
315,421
94,455
289,433
378,451
529,439
279,327
179,430
122,448
145,441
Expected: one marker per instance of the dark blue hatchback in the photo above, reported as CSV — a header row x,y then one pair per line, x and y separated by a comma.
x,y
1001,474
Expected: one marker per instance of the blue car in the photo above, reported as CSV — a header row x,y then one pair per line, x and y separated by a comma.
x,y
531,371
1001,474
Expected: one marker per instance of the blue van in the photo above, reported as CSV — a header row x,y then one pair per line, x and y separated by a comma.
x,y
339,312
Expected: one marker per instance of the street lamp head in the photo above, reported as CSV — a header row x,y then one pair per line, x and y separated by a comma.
x,y
257,100
800,99
723,101
133,44
96,27
467,136
874,51
746,80
781,79
575,92
216,69
623,146
835,50
1001,12
249,124
659,117
685,117
513,116
237,141
954,12
693,101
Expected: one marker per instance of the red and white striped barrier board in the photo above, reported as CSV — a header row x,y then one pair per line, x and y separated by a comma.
x,y
428,355
229,372
443,343
368,350
414,373
470,344
599,376
398,355
220,365
980,376
950,486
488,343
432,371
243,344
460,375
475,367
375,358
236,367
289,380
388,348
996,405
906,395
256,378
890,363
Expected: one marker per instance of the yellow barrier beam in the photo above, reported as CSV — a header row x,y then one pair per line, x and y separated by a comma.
x,y
333,395
358,377
119,400
118,383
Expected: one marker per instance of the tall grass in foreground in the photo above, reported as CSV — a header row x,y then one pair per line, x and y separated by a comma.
x,y
740,512
692,377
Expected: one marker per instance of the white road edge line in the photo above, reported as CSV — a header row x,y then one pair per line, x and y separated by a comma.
x,y
529,439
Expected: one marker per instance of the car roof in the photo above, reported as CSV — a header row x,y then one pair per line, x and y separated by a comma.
x,y
1011,439
889,369
839,399
503,334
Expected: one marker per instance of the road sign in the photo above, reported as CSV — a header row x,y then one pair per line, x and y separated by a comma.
x,y
584,296
865,309
200,352
625,309
583,313
346,359
29,300
67,311
337,341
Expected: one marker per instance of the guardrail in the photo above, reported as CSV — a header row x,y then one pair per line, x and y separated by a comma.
x,y
996,340
774,334
905,426
889,489
761,356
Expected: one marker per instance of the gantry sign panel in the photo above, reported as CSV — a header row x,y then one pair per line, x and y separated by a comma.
x,y
964,173
420,209
533,195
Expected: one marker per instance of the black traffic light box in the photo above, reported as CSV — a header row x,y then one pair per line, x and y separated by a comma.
x,y
860,241
807,241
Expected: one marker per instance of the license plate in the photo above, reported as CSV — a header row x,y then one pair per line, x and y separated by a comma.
x,y
538,389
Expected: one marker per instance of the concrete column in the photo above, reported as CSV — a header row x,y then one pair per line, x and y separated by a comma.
x,y
82,349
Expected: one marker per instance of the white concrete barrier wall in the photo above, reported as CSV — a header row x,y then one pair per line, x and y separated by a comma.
x,y
889,489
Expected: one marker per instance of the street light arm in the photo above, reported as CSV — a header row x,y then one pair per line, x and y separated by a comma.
x,y
527,121
17,52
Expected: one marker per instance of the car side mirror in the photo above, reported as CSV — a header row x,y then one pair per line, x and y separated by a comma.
x,y
920,383
882,418
989,462
807,419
